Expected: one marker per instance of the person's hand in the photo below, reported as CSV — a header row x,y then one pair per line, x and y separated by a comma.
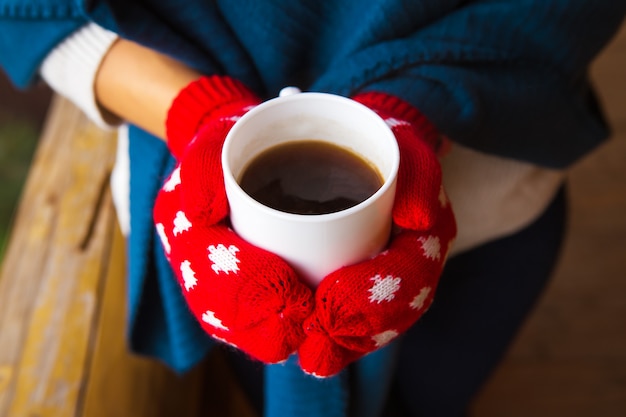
x,y
362,307
240,294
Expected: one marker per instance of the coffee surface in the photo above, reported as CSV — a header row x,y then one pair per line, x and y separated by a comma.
x,y
310,177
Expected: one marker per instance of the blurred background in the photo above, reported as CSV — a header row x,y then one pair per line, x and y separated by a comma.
x,y
22,115
570,358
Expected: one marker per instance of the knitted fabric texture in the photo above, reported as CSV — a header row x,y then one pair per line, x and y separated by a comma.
x,y
208,98
240,294
419,174
252,299
362,307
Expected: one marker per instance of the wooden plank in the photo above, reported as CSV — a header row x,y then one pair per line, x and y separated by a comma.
x,y
122,384
62,298
53,270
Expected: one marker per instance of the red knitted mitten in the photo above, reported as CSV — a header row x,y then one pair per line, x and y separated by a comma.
x,y
362,307
240,294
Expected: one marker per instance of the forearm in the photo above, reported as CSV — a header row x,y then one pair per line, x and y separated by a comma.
x,y
138,85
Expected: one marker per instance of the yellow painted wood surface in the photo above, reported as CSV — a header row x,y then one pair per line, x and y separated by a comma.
x,y
121,384
53,271
63,298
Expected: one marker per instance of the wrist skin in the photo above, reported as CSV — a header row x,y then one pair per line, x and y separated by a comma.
x,y
138,85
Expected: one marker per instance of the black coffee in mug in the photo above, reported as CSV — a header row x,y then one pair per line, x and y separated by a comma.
x,y
310,177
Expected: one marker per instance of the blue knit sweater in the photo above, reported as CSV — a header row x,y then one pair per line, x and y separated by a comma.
x,y
506,77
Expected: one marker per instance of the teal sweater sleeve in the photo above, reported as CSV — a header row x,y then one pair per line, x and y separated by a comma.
x,y
509,78
28,31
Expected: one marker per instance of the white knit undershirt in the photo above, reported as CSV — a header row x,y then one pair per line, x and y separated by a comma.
x,y
70,68
491,196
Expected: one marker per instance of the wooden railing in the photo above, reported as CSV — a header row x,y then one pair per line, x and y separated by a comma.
x,y
63,297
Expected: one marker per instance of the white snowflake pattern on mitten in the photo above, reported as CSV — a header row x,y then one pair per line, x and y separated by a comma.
x,y
209,318
224,259
381,339
189,275
418,302
181,223
173,180
431,247
384,289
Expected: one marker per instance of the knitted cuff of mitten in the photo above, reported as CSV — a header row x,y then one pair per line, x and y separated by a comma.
x,y
390,106
207,98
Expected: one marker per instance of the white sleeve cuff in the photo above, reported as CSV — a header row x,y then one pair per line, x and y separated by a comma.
x,y
70,69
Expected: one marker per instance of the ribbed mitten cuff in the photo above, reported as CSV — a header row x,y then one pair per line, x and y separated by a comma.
x,y
208,98
390,106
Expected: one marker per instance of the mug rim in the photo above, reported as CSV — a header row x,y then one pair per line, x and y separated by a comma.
x,y
229,177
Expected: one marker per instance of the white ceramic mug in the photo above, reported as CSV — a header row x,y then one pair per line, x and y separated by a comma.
x,y
314,245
